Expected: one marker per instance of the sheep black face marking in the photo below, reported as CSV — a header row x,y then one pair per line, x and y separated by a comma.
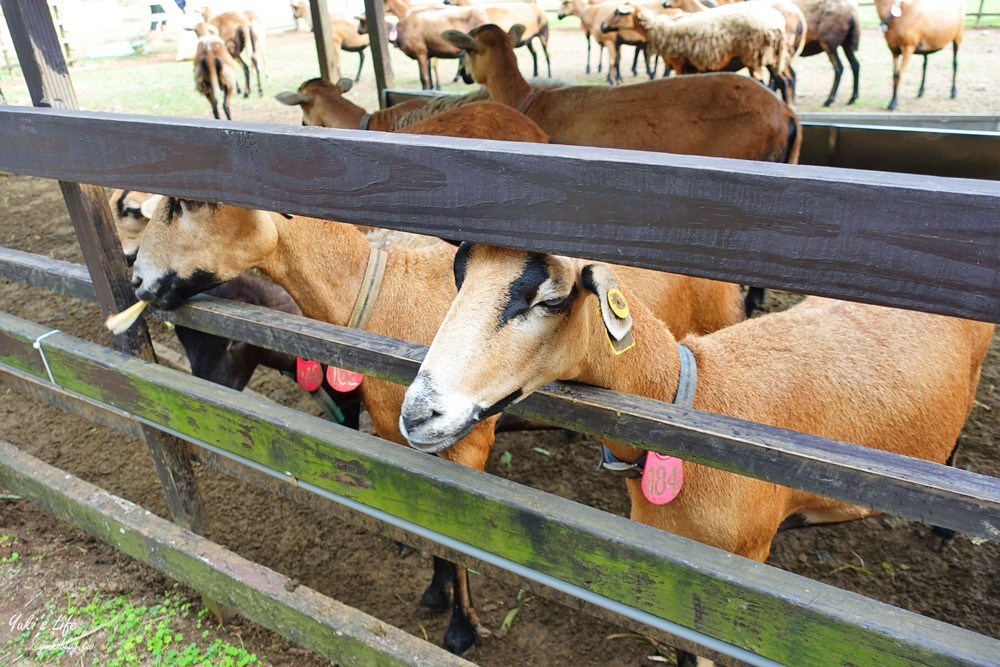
x,y
170,291
522,291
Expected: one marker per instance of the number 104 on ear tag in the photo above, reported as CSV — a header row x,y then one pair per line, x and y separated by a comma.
x,y
662,478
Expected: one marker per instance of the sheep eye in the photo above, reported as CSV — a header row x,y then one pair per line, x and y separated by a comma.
x,y
557,304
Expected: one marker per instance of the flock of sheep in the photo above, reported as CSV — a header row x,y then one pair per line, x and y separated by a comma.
x,y
690,36
502,323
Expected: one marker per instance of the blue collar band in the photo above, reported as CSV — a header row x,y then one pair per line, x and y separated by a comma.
x,y
687,382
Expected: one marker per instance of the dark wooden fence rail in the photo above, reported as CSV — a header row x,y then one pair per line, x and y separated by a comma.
x,y
775,614
901,485
901,240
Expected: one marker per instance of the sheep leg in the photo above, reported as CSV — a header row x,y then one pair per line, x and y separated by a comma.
x,y
838,71
534,57
464,627
440,592
587,35
361,63
425,72
954,68
215,108
685,659
753,301
246,73
225,106
855,70
897,75
545,51
618,63
613,57
781,83
600,56
635,63
923,79
436,79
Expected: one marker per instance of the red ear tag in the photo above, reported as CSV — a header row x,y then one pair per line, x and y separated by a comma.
x,y
343,380
309,374
662,478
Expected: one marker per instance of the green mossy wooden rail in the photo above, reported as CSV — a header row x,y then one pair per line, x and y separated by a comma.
x,y
332,629
916,489
773,613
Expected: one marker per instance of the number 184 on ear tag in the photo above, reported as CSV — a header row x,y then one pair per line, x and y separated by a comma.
x,y
662,478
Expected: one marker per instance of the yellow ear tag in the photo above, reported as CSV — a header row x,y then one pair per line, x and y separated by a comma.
x,y
618,304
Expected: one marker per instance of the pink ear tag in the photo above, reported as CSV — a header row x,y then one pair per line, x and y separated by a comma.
x,y
343,380
662,478
309,374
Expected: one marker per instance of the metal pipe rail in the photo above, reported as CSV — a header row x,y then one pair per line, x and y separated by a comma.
x,y
774,614
901,485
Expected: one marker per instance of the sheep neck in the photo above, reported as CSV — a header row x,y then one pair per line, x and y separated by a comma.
x,y
321,264
507,86
643,22
651,368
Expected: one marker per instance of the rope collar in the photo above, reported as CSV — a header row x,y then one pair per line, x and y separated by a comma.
x,y
526,102
371,284
687,382
365,120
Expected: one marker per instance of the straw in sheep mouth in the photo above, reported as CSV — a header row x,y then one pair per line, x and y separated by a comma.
x,y
120,322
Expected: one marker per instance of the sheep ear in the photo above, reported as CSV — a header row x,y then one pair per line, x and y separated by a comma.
x,y
147,207
460,40
345,85
515,33
613,307
292,99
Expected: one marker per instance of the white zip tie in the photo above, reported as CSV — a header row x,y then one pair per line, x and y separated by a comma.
x,y
38,346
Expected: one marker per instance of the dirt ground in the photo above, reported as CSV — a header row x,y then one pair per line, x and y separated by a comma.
x,y
890,559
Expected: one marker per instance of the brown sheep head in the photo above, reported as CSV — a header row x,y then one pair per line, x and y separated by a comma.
x,y
483,47
622,19
314,97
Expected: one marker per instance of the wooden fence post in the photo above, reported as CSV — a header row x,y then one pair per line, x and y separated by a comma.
x,y
379,44
47,76
324,39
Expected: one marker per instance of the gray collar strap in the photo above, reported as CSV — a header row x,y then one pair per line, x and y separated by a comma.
x,y
687,382
526,102
365,120
370,286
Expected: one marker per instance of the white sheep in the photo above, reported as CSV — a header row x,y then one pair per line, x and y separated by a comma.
x,y
727,38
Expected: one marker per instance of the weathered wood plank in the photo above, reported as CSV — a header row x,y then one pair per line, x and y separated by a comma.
x,y
900,240
35,39
907,487
324,38
332,629
379,46
128,424
758,608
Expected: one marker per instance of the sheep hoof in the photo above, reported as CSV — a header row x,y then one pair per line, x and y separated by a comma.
x,y
460,635
435,599
852,100
829,102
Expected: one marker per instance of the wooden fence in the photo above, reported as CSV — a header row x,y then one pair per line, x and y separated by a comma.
x,y
909,241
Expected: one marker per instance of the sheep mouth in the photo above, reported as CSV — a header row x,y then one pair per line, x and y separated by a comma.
x,y
605,28
429,444
170,292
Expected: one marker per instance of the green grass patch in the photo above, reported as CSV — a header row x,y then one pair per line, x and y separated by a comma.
x,y
119,632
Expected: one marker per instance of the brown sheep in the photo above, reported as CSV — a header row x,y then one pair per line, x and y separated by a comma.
x,y
720,115
215,74
237,31
893,380
418,35
323,103
832,25
921,27
528,14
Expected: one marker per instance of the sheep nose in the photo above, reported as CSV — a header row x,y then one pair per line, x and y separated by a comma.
x,y
414,419
136,282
